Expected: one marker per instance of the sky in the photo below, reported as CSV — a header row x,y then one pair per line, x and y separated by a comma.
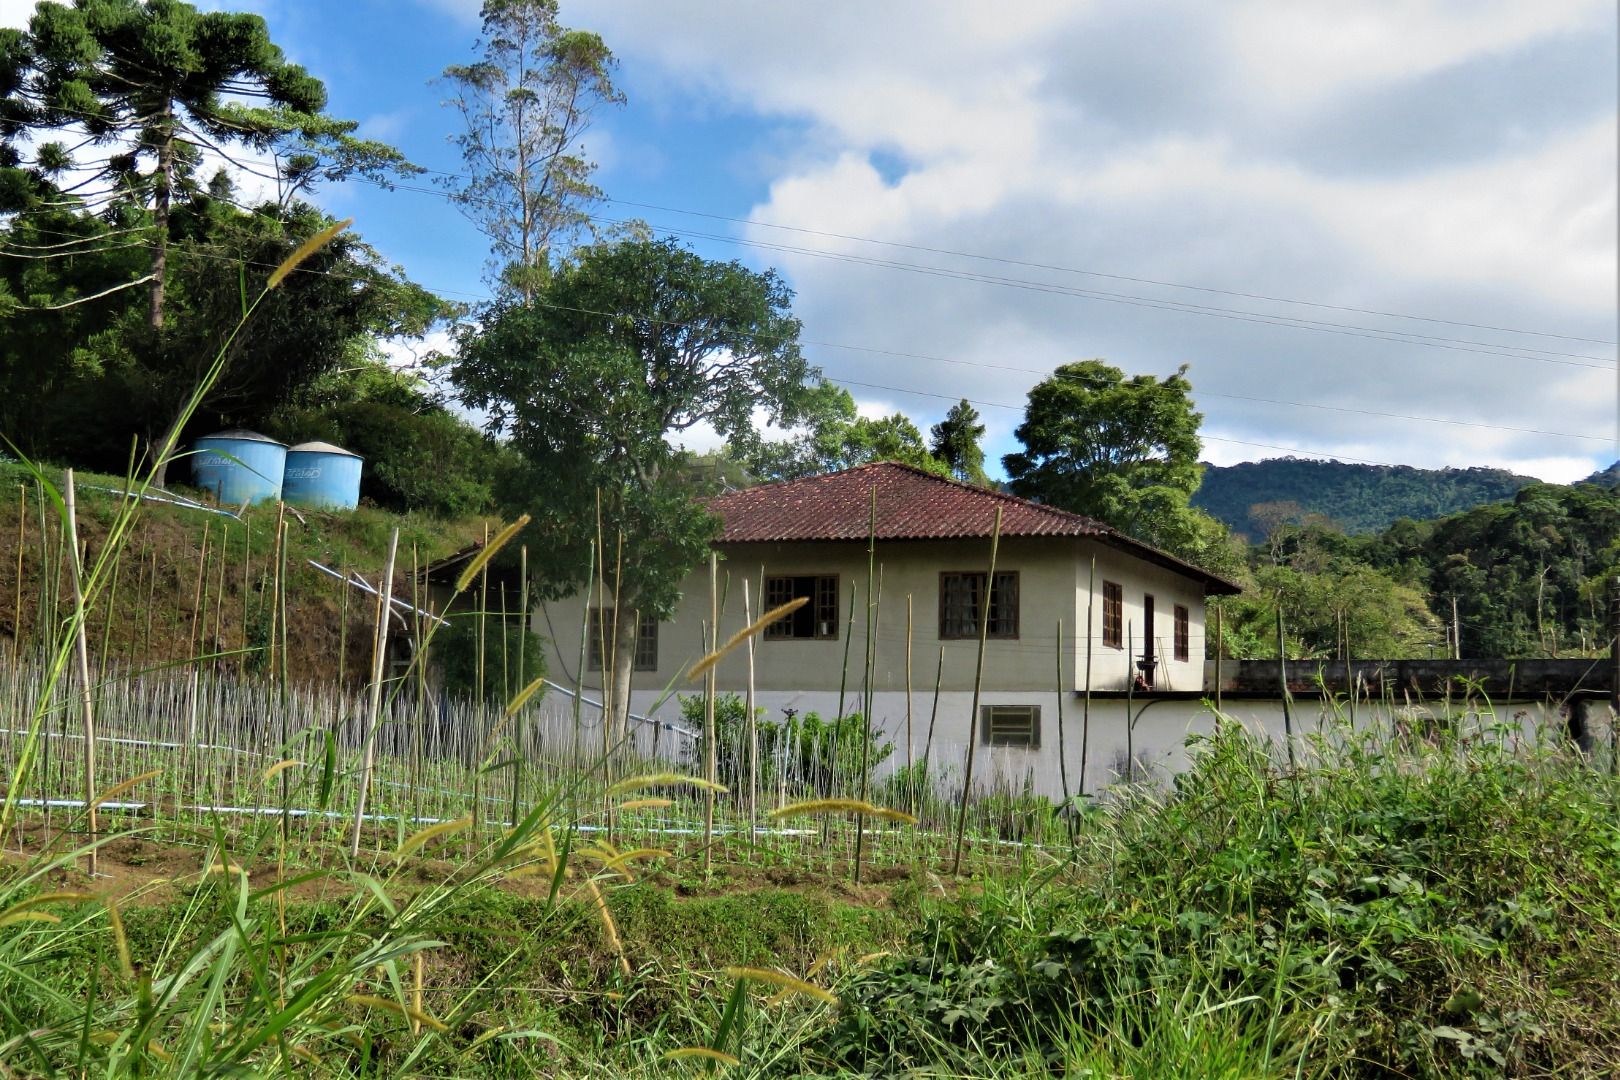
x,y
1381,231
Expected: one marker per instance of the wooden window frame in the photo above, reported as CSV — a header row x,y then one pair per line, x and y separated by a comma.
x,y
987,734
991,633
771,634
1183,633
593,636
1113,615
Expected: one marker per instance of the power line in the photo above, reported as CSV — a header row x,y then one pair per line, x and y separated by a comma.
x,y
1059,268
1099,273
1465,345
970,363
1206,438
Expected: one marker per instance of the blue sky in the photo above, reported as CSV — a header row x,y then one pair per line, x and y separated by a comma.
x,y
1145,181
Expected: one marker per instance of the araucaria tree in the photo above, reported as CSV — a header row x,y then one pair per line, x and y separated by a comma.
x,y
115,105
1124,451
627,346
525,104
145,89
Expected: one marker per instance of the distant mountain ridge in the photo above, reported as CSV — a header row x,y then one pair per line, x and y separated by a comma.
x,y
1360,498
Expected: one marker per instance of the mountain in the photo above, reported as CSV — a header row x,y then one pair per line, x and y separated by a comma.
x,y
1609,478
1359,498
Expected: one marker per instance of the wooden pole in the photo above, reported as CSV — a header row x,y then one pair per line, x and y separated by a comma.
x,y
710,758
1130,701
1085,709
1282,680
1220,650
978,684
379,657
751,722
1614,676
933,715
870,665
1063,756
82,654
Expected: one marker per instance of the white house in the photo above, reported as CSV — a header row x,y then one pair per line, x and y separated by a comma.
x,y
1072,601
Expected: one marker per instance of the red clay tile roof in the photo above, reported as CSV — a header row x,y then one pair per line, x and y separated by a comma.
x,y
911,505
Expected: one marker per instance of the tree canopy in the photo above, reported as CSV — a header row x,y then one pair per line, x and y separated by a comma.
x,y
1124,451
146,89
525,104
80,376
836,437
629,345
955,442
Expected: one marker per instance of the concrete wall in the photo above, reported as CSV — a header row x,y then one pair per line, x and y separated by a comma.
x,y
1158,740
1053,579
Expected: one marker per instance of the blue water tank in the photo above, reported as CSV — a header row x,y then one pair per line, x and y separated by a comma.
x,y
321,475
239,466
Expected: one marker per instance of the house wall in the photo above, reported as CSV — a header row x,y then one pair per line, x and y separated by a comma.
x,y
1098,745
1054,574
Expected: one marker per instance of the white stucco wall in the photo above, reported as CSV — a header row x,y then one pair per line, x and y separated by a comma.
x,y
1158,740
1054,578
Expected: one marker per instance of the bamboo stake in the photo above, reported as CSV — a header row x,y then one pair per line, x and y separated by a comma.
x,y
1085,708
978,684
933,715
753,726
16,618
197,598
1220,649
1130,698
1063,756
247,592
379,655
871,661
275,584
710,763
911,749
1287,698
218,645
82,650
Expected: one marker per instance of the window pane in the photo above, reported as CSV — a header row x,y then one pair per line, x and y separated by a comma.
x,y
818,618
1011,725
1113,615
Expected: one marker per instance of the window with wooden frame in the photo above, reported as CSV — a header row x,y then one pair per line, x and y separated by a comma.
x,y
1011,725
816,620
646,640
961,600
1182,646
1113,626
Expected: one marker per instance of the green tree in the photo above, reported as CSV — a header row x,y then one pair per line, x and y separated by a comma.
x,y
1124,451
80,377
419,456
156,83
955,441
631,344
835,437
525,104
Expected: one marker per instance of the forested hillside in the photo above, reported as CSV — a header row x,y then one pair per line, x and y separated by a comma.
x,y
1529,576
1254,495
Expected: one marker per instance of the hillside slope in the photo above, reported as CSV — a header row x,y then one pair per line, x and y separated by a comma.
x,y
1360,498
193,583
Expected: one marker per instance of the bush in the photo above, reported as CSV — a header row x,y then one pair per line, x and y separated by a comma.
x,y
823,756
1444,909
417,457
455,651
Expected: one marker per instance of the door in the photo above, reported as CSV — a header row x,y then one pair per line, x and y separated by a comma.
x,y
1147,664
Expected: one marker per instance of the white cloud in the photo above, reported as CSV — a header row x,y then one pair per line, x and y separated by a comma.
x,y
1200,144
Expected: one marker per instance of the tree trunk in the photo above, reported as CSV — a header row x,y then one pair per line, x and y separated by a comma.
x,y
160,217
623,646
